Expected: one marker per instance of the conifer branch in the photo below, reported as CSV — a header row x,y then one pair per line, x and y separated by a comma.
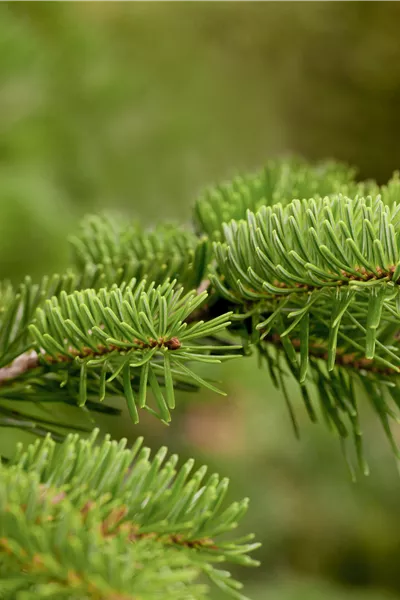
x,y
122,340
298,263
101,505
350,360
318,274
127,250
280,181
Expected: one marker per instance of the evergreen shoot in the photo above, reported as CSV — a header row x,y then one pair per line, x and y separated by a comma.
x,y
298,264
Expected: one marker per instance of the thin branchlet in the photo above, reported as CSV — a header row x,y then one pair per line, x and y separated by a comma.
x,y
22,364
32,360
349,360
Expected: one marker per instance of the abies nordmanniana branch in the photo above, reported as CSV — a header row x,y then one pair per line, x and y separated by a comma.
x,y
297,263
103,522
85,345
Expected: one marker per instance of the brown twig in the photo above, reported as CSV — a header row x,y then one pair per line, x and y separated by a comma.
x,y
344,359
32,360
363,276
24,362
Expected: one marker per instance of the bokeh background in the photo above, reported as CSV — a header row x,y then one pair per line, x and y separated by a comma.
x,y
135,107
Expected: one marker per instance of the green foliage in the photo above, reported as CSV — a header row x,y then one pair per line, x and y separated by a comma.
x,y
89,344
18,305
309,284
133,333
99,521
81,134
319,279
127,250
278,182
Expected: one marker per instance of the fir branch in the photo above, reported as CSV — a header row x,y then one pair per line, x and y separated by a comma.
x,y
350,360
315,248
132,510
312,284
319,274
336,393
127,250
278,182
120,340
18,306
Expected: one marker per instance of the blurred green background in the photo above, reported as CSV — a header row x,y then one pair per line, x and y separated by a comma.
x,y
135,107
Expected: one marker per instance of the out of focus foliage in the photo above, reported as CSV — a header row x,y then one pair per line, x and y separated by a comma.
x,y
136,107
140,105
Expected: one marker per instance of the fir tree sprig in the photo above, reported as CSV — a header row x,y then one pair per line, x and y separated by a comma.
x,y
297,263
319,280
316,279
131,333
18,305
280,181
123,340
127,250
101,521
